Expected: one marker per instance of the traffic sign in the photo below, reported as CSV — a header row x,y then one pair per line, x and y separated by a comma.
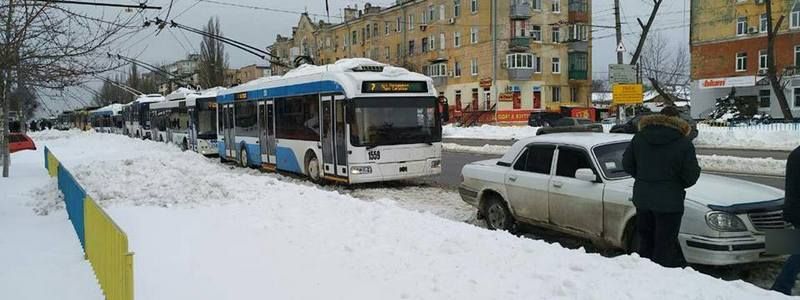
x,y
627,93
621,47
621,73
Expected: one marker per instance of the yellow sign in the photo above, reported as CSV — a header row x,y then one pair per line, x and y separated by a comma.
x,y
627,93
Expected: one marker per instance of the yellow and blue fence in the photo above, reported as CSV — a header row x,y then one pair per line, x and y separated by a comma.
x,y
104,243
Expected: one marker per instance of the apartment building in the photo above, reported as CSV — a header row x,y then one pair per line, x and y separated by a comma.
x,y
728,49
499,59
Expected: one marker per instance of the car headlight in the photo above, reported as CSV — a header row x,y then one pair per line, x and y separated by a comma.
x,y
361,170
723,221
436,164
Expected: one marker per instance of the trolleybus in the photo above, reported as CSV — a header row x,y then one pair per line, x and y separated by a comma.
x,y
137,116
188,119
353,121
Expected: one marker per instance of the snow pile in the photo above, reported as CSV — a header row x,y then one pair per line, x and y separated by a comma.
x,y
488,132
52,134
436,201
766,137
713,163
293,241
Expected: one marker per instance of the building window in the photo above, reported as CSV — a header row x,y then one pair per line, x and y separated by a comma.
x,y
473,67
795,17
387,53
457,69
537,64
442,41
398,26
519,61
536,4
536,32
432,43
473,35
577,32
473,6
762,59
441,12
431,13
410,22
741,62
437,70
424,45
555,95
796,55
411,47
797,97
556,7
456,8
741,26
399,53
573,94
762,25
386,28
457,39
764,98
556,35
556,65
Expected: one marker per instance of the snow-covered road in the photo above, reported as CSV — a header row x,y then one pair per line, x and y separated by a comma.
x,y
202,230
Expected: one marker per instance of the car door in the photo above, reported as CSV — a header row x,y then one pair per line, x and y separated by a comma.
x,y
574,203
527,182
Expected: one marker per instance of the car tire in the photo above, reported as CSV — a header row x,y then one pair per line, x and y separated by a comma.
x,y
497,215
312,168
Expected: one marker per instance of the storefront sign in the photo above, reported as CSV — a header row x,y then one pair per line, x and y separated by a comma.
x,y
512,116
486,83
727,82
627,93
506,97
583,113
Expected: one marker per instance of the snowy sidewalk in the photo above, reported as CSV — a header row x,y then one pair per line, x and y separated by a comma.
x,y
40,256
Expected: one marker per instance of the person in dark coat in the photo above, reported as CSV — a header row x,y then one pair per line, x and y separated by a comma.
x,y
662,160
791,213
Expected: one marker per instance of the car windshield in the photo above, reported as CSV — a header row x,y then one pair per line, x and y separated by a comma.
x,y
610,159
392,121
206,118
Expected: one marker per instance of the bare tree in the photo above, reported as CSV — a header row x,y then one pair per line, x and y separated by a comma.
x,y
772,70
666,68
213,60
48,46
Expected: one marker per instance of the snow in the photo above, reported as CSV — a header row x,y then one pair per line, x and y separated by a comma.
x,y
214,231
763,137
488,132
713,163
40,255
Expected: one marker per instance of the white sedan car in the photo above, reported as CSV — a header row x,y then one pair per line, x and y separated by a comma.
x,y
574,183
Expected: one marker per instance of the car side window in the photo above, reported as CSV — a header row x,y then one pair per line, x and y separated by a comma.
x,y
536,159
565,122
570,160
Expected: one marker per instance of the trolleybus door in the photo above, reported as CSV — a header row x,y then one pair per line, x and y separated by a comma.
x,y
230,141
271,142
327,136
266,124
340,135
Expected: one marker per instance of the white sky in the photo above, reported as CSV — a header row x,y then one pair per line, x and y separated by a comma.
x,y
259,28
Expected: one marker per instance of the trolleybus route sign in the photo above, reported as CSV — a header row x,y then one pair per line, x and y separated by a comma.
x,y
394,87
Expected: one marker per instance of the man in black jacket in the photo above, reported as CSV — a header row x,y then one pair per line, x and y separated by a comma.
x,y
663,162
791,213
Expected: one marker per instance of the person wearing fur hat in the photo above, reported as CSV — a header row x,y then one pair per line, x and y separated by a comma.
x,y
663,162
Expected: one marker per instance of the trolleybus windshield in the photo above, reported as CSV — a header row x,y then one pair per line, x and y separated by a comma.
x,y
393,121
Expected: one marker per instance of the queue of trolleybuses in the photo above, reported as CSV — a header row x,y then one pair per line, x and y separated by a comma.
x,y
354,121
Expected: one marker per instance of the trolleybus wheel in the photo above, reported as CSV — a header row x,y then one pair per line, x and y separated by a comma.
x,y
312,168
243,158
184,145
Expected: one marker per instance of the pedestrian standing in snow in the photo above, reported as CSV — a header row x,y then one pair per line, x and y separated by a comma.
x,y
791,213
663,162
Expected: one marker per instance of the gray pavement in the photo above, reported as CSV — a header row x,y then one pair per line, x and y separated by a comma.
x,y
776,154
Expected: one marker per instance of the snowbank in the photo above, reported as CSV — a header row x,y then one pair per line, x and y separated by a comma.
x,y
40,255
240,234
766,137
488,132
714,163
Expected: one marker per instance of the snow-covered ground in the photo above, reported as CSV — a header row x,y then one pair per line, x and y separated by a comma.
x,y
714,163
202,230
754,137
40,255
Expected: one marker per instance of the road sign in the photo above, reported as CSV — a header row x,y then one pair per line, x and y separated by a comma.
x,y
627,93
621,47
621,73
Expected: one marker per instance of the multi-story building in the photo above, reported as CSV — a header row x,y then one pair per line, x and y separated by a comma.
x,y
501,59
729,50
251,72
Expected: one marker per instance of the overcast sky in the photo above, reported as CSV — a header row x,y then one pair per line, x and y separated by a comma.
x,y
258,27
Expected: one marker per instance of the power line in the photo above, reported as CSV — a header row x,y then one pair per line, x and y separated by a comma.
x,y
140,6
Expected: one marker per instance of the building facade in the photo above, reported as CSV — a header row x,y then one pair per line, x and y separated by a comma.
x,y
729,50
251,72
501,59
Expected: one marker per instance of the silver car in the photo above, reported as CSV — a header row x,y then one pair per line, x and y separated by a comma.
x,y
574,183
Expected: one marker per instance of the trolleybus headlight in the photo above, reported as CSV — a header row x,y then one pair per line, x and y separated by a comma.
x,y
360,170
436,164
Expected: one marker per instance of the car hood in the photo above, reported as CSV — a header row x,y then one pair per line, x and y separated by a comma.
x,y
725,191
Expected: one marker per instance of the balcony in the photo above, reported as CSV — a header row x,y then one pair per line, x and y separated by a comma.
x,y
520,74
439,81
578,75
520,44
520,10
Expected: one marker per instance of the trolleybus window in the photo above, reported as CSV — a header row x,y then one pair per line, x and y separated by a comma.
x,y
206,118
246,119
298,117
391,121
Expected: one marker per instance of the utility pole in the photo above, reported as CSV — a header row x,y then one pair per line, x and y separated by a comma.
x,y
618,27
5,156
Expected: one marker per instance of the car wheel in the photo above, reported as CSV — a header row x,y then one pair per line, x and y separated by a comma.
x,y
312,168
497,215
243,159
184,145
